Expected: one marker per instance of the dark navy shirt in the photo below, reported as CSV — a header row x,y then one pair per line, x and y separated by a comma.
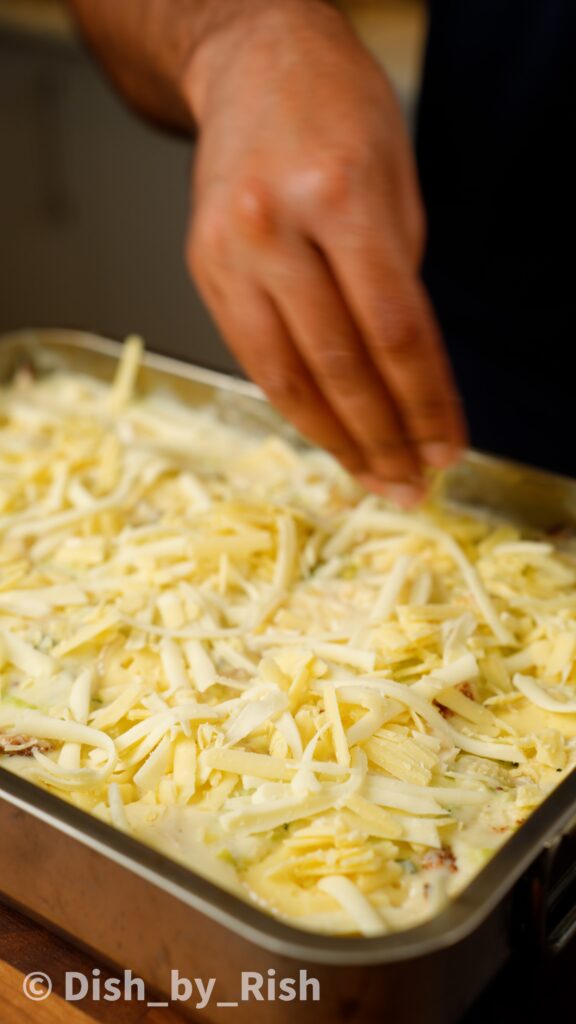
x,y
497,156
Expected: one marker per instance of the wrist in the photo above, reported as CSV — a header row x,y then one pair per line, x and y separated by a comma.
x,y
230,26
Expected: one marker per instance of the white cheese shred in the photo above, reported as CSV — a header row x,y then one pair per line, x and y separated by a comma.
x,y
213,640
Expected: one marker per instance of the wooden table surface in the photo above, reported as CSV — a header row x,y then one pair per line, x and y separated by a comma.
x,y
27,947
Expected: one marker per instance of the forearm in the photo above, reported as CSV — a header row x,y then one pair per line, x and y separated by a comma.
x,y
148,47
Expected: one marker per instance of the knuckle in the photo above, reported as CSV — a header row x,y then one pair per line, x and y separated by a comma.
x,y
209,240
398,337
339,368
331,184
252,209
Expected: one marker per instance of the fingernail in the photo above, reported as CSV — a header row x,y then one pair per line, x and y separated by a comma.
x,y
372,483
405,495
438,454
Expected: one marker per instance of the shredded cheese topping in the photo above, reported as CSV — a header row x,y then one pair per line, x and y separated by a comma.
x,y
215,642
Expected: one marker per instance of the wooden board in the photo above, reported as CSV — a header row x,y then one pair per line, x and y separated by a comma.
x,y
26,947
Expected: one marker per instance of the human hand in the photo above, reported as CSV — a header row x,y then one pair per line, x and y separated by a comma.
x,y
307,236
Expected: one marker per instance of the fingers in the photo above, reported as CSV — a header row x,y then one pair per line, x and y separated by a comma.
x,y
256,334
337,332
398,325
333,350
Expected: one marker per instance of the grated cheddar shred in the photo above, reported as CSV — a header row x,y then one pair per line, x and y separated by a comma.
x,y
226,649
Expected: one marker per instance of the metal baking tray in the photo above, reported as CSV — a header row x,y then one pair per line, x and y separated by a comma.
x,y
137,909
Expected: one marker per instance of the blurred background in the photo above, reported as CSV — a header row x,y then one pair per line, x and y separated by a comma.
x,y
94,202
